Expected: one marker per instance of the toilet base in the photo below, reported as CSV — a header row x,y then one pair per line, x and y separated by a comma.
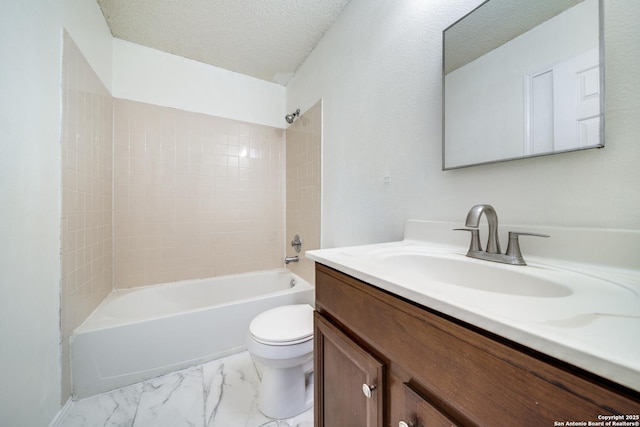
x,y
285,393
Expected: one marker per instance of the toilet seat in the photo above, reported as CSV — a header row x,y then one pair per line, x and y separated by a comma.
x,y
285,325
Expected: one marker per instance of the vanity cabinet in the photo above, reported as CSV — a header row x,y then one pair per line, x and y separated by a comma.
x,y
424,368
346,369
420,412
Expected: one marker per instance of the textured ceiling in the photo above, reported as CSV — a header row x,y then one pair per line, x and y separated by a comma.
x,y
495,23
267,39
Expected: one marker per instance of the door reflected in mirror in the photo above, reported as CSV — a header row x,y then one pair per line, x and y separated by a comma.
x,y
522,79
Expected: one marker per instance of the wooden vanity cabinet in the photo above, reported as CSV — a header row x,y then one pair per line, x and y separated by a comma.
x,y
429,370
347,372
420,412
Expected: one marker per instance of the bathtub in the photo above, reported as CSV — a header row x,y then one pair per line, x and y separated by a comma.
x,y
137,334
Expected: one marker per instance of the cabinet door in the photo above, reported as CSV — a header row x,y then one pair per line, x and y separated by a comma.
x,y
419,412
348,380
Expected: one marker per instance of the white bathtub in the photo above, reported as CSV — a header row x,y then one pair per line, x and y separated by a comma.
x,y
137,334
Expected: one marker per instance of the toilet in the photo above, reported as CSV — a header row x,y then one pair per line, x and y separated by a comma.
x,y
281,340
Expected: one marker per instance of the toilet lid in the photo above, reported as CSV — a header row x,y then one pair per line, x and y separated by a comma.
x,y
287,324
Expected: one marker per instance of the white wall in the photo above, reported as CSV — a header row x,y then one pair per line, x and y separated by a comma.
x,y
378,71
85,24
154,77
30,80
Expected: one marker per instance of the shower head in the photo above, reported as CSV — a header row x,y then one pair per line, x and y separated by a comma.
x,y
291,117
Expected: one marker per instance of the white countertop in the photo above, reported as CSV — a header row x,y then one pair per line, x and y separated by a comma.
x,y
595,327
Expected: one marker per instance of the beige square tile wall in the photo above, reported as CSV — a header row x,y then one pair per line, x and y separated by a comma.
x,y
86,235
194,195
304,139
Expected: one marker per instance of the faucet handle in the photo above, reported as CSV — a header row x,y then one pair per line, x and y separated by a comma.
x,y
296,243
475,245
513,248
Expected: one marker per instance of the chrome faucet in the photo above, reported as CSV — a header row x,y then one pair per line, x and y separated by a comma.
x,y
473,220
513,255
296,243
289,259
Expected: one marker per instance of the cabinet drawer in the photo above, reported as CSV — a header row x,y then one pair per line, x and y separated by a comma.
x,y
420,412
477,379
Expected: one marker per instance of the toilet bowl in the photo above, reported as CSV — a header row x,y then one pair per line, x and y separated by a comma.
x,y
281,340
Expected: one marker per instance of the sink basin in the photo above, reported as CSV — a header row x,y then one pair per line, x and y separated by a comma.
x,y
478,275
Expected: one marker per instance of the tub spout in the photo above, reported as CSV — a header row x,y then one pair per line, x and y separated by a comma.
x,y
289,259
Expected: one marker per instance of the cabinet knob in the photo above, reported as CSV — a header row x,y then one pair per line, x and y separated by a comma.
x,y
367,389
404,424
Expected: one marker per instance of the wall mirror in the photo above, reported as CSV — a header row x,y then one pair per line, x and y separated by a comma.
x,y
522,78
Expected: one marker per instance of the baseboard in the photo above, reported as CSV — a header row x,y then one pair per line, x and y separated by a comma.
x,y
62,413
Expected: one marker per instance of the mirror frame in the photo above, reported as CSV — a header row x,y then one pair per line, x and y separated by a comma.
x,y
530,156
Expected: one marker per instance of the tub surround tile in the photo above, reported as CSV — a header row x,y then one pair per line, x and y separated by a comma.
x,y
197,190
303,188
86,204
220,393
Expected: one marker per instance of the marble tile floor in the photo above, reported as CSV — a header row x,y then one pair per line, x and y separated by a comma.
x,y
221,393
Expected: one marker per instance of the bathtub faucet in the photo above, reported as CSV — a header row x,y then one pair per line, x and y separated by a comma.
x,y
289,259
